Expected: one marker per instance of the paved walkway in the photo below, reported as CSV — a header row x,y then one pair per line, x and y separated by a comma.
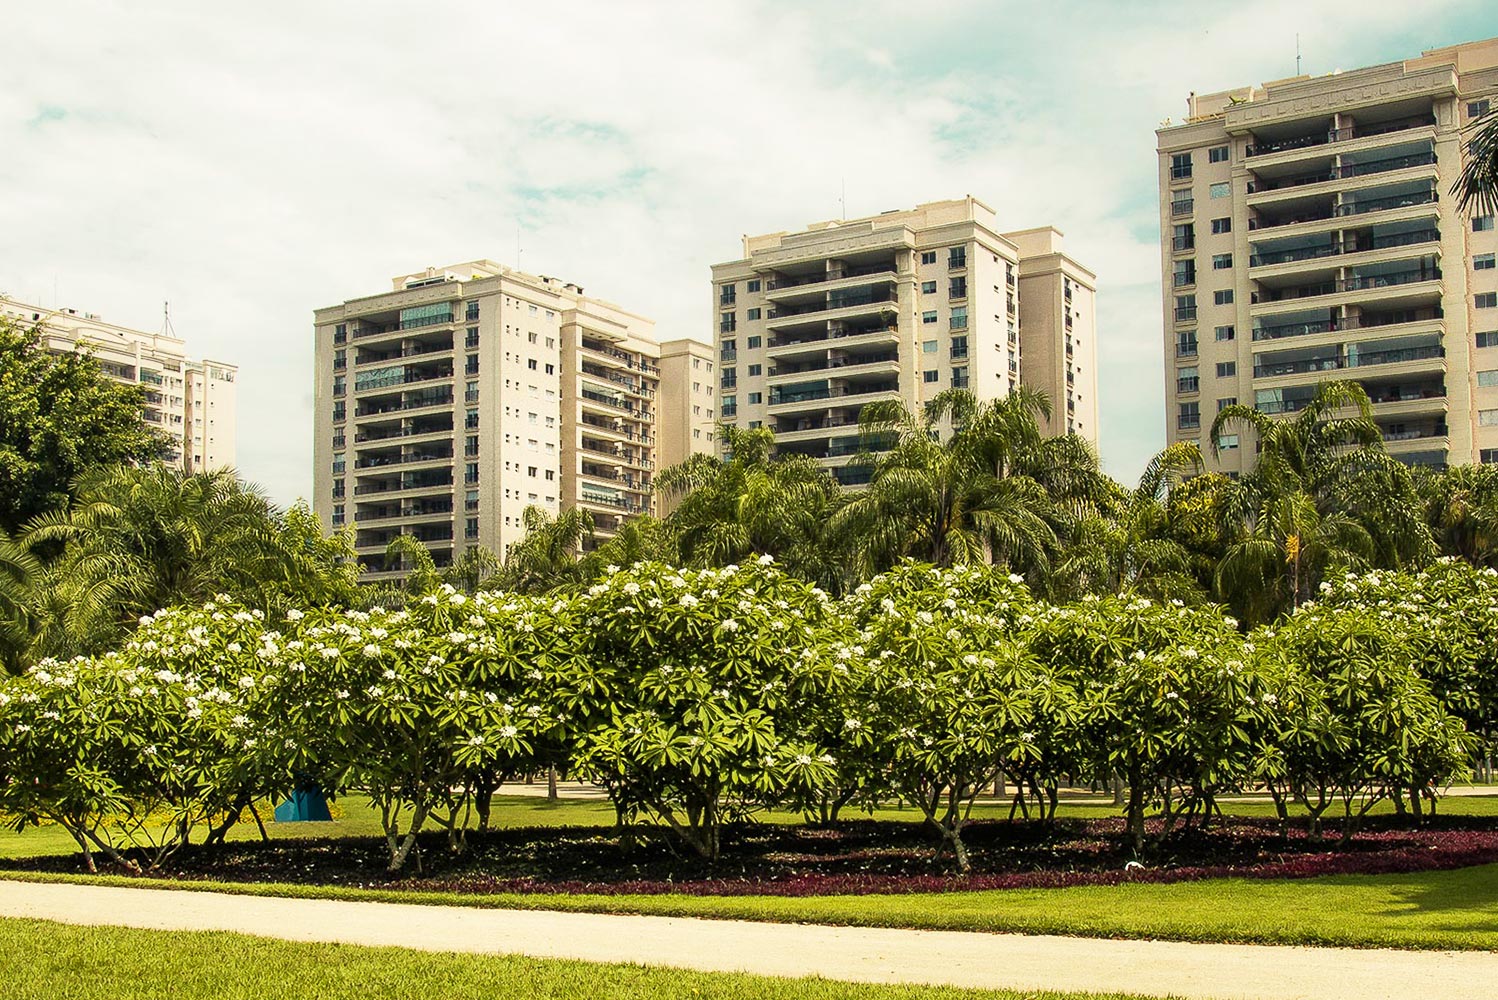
x,y
859,954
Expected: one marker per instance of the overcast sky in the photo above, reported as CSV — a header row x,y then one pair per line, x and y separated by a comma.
x,y
251,162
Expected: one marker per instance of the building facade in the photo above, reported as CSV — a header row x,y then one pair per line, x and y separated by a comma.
x,y
813,325
191,402
1308,234
449,404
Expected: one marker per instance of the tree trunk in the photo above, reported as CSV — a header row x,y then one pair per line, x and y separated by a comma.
x,y
551,784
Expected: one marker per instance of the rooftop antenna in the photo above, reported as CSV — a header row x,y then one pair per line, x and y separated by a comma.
x,y
166,320
1297,53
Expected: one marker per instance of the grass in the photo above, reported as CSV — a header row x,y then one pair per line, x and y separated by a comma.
x,y
1455,909
46,961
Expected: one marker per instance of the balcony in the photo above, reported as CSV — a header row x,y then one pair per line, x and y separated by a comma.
x,y
414,401
842,304
784,288
612,402
832,392
1356,283
819,340
370,381
1331,136
1352,359
382,461
1339,247
1387,204
829,364
373,358
1343,172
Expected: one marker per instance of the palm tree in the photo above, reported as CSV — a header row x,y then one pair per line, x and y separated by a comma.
x,y
1323,493
1129,542
19,571
139,539
754,501
1476,187
946,502
1461,507
550,554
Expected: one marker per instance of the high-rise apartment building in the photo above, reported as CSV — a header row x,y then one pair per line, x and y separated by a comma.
x,y
903,305
1308,234
449,404
192,403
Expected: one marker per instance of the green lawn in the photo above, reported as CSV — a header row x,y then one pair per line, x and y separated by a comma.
x,y
46,961
1455,909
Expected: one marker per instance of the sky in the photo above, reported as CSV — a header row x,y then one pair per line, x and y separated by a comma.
x,y
249,163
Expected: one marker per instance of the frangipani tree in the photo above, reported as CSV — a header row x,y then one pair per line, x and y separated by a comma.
x,y
703,673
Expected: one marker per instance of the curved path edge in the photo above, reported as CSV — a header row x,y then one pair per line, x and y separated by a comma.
x,y
854,954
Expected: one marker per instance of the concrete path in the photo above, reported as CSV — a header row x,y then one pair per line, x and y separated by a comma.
x,y
858,954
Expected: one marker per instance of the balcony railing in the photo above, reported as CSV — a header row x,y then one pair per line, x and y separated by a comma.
x,y
831,363
789,340
405,378
403,432
835,392
1275,407
1188,421
1346,170
413,403
1336,247
1186,350
1337,135
795,281
835,300
376,463
1356,283
409,352
1180,207
611,401
1384,204
1188,385
1341,361
1179,243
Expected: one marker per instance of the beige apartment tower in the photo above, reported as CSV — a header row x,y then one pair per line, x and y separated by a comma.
x,y
1308,233
192,403
449,404
813,325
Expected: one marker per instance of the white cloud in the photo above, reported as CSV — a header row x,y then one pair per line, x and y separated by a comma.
x,y
253,163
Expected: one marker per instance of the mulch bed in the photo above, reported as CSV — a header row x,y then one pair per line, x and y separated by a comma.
x,y
855,857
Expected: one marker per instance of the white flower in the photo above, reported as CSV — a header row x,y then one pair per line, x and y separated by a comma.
x,y
294,615
371,650
970,659
688,601
853,724
246,682
766,559
509,732
729,625
329,652
1016,578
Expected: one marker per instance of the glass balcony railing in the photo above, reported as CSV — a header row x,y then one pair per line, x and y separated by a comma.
x,y
1356,131
836,392
1363,359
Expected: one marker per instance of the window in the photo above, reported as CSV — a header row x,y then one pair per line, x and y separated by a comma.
x,y
471,392
551,369
1189,416
1227,369
1185,308
1222,261
929,316
752,285
1488,456
756,370
729,350
959,318
756,397
1180,166
1482,223
1224,333
1227,442
532,337
340,385
928,256
930,377
956,257
928,347
1225,402
1489,339
1183,273
1187,379
1181,203
340,333
1488,377
471,367
957,288
532,364
1222,226
728,322
471,311
1222,297
1483,262
727,295
338,462
1217,154
1476,109
551,475
338,515
928,288
1219,190
755,342
752,313
340,410
959,347
1487,418
1186,344
1183,237
1485,300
